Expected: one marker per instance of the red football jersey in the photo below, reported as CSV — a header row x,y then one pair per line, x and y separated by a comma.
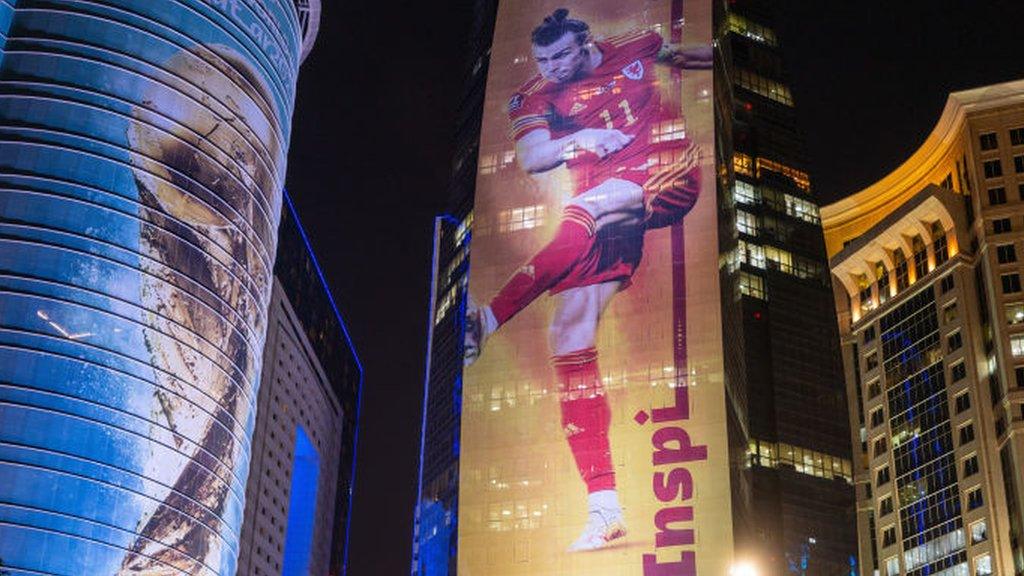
x,y
621,93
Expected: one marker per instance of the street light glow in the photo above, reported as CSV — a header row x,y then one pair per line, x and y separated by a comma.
x,y
743,569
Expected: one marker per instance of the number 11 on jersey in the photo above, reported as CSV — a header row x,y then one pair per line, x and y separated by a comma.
x,y
626,110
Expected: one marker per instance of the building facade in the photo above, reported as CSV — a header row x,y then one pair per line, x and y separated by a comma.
x,y
299,489
791,473
927,286
793,499
142,165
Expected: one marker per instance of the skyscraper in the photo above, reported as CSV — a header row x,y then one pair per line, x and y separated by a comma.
x,y
927,282
142,164
299,490
794,499
791,471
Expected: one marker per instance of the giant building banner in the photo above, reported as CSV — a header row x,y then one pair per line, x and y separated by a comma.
x,y
593,416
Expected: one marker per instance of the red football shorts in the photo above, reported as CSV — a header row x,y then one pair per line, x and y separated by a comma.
x,y
672,191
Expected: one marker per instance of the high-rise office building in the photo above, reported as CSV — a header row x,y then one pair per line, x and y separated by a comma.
x,y
795,500
303,451
141,165
927,283
784,411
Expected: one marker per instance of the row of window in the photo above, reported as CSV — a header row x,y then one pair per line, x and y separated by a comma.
x,y
746,193
750,29
772,258
990,140
881,278
994,169
997,195
803,460
760,85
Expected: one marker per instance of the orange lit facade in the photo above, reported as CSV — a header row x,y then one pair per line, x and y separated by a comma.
x,y
931,316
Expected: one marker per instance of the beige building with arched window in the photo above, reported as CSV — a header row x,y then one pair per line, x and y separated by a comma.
x,y
931,314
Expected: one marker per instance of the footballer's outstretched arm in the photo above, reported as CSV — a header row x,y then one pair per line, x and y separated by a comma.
x,y
695,57
538,152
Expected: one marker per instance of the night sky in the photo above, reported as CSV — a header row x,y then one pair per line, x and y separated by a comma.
x,y
371,148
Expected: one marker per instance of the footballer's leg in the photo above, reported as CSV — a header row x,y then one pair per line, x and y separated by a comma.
x,y
614,201
586,414
480,324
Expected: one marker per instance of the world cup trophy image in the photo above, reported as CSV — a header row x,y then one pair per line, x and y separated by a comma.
x,y
213,181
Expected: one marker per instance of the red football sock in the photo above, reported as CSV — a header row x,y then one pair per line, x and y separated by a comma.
x,y
573,240
586,417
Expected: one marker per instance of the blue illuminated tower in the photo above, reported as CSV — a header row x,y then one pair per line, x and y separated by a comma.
x,y
142,161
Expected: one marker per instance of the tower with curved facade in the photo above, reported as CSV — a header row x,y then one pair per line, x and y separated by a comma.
x,y
931,313
142,161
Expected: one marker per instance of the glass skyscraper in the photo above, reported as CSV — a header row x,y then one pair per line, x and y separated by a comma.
x,y
142,161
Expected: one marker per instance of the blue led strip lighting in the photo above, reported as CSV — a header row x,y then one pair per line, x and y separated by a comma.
x,y
359,365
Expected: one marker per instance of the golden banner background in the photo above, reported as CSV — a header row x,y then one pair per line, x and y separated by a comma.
x,y
521,501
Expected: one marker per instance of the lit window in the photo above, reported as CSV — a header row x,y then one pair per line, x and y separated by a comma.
x,y
746,223
798,177
446,304
979,532
1017,345
488,163
746,193
752,285
1015,313
892,566
524,218
462,231
758,84
802,209
668,131
743,164
750,29
781,259
751,254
